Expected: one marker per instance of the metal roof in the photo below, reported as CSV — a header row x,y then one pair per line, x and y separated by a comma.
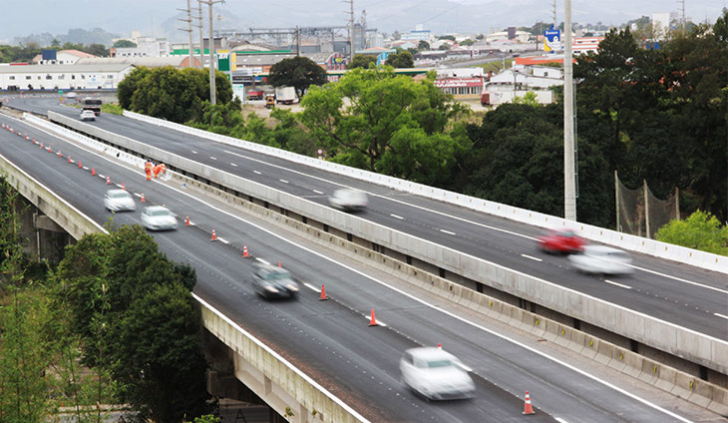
x,y
175,61
90,68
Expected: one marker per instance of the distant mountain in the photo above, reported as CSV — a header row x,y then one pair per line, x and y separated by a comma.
x,y
76,36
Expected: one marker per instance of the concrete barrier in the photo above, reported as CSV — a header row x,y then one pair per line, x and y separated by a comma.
x,y
645,329
646,246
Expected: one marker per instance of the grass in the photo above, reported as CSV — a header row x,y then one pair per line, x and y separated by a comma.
x,y
113,109
494,67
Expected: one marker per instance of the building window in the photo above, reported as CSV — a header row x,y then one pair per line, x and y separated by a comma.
x,y
12,78
73,76
27,77
61,77
49,76
110,77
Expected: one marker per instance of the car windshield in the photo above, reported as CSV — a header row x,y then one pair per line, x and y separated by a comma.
x,y
159,213
119,195
439,363
277,276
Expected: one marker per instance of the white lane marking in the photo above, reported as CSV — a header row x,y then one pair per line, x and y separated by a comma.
x,y
396,217
617,284
101,176
560,420
379,322
464,367
531,258
721,315
262,261
318,192
194,152
85,168
212,158
311,287
224,241
283,180
137,194
447,232
462,219
723,291
233,165
256,172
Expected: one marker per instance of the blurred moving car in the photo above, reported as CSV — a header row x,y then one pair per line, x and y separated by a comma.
x,y
600,259
88,115
561,241
347,199
273,282
117,200
435,374
158,218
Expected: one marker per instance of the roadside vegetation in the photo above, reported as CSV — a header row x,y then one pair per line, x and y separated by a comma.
x,y
113,324
654,115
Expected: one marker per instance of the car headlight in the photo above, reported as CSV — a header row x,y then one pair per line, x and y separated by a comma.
x,y
292,287
271,289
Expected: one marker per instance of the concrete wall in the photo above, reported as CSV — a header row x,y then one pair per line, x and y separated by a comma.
x,y
628,242
673,339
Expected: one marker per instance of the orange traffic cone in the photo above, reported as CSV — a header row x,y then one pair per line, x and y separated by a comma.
x,y
245,251
527,407
50,149
108,180
69,158
41,144
323,294
144,200
439,346
187,221
59,153
93,171
214,237
373,322
79,164
122,186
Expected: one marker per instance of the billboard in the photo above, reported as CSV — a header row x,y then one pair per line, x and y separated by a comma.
x,y
552,40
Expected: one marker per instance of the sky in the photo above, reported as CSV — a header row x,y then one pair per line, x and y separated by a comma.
x,y
441,16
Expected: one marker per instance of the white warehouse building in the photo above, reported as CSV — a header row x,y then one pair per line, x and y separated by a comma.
x,y
62,77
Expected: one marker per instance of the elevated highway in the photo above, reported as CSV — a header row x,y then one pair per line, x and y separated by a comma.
x,y
331,340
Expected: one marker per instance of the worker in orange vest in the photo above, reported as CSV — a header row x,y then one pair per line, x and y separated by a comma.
x,y
148,169
160,168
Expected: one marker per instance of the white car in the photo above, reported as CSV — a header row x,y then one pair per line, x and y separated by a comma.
x,y
348,200
600,259
435,374
117,200
88,115
158,218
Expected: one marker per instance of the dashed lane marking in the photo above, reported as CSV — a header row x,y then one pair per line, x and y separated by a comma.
x,y
396,217
318,192
617,284
283,180
531,258
447,232
257,173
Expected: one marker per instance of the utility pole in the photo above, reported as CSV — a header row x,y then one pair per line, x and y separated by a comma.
x,y
213,99
556,23
351,29
189,28
202,36
569,165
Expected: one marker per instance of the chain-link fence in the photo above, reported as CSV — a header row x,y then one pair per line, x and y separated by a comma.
x,y
639,212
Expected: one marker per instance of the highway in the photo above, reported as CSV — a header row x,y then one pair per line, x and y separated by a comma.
x,y
686,296
331,341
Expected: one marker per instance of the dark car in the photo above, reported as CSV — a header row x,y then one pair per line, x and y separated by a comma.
x,y
561,241
274,282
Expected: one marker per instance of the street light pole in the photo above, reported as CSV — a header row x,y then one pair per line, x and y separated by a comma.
x,y
569,165
213,99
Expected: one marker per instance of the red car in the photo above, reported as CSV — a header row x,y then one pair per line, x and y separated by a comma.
x,y
561,241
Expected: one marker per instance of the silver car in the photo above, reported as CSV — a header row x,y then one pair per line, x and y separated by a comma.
x,y
600,259
349,200
158,218
273,282
117,200
435,374
88,115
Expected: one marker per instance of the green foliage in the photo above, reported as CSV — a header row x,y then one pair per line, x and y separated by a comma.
x,y
134,311
170,93
423,45
112,109
467,42
208,418
402,60
447,37
299,72
124,44
362,61
701,231
529,99
391,124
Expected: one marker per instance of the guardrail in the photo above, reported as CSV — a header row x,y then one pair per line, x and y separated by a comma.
x,y
307,393
654,248
668,337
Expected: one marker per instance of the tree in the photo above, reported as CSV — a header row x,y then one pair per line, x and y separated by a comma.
x,y
124,44
701,231
390,124
447,37
97,50
129,85
467,43
423,45
362,61
402,60
298,72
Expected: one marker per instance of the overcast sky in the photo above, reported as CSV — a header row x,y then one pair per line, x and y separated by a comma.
x,y
480,16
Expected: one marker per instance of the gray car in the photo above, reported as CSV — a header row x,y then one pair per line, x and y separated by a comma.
x,y
158,218
117,200
273,282
346,199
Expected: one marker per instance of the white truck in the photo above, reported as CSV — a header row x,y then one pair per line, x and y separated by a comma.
x,y
286,95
